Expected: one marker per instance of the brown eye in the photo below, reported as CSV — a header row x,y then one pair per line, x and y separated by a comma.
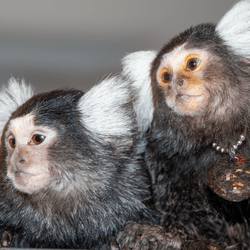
x,y
12,142
193,63
165,76
38,139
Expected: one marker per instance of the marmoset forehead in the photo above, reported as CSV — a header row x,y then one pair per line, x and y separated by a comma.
x,y
21,124
24,126
177,57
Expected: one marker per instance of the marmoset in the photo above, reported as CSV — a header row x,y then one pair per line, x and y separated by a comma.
x,y
196,117
70,174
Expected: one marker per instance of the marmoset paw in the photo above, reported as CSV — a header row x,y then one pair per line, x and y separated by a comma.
x,y
136,236
6,239
202,245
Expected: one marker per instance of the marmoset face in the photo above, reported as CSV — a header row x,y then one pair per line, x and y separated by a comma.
x,y
27,160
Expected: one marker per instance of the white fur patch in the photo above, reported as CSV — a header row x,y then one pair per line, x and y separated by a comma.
x,y
11,97
102,108
136,67
234,28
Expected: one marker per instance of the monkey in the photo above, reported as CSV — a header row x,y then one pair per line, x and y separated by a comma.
x,y
70,165
196,117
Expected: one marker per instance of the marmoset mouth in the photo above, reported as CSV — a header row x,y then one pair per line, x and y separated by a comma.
x,y
21,173
187,104
28,182
187,96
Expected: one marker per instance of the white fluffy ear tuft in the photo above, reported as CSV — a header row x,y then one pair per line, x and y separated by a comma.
x,y
234,28
11,97
105,109
136,67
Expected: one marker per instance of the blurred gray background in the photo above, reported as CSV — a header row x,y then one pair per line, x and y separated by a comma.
x,y
75,43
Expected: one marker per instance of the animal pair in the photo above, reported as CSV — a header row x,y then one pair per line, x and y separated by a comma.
x,y
186,110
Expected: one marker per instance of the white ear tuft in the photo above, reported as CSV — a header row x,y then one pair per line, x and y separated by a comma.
x,y
234,28
11,97
105,108
136,67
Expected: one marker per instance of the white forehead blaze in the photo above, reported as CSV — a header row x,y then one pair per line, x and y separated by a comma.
x,y
176,60
28,166
22,128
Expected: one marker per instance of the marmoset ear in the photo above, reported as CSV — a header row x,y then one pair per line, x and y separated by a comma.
x,y
107,111
233,28
136,67
11,97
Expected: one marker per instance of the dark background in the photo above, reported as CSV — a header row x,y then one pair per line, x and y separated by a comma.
x,y
75,43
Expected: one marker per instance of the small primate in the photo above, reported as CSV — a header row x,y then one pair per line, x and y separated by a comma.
x,y
197,118
70,174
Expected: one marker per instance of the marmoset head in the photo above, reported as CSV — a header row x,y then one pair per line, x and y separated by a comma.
x,y
34,136
199,75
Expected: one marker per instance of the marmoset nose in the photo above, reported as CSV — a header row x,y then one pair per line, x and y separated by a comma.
x,y
180,82
22,156
21,160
